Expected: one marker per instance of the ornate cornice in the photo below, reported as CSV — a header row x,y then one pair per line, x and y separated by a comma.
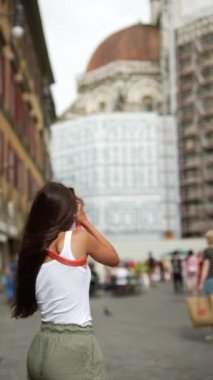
x,y
114,69
33,17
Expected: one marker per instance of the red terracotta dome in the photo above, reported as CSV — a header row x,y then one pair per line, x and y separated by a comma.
x,y
136,43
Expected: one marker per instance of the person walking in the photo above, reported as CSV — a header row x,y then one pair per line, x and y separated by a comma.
x,y
9,280
200,256
53,276
94,282
121,279
177,275
191,267
206,278
151,263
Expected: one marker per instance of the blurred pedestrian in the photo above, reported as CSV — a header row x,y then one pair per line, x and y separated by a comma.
x,y
200,264
191,272
53,276
206,280
9,280
162,270
94,282
151,263
177,275
121,279
167,269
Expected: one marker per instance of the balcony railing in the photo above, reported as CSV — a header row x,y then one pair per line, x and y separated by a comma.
x,y
196,228
191,180
209,209
183,55
190,149
186,118
190,131
207,95
192,196
206,81
208,161
208,192
206,48
208,145
187,213
208,178
207,77
206,64
188,69
190,164
187,100
207,127
185,85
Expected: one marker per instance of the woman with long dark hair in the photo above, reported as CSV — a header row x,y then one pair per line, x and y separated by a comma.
x,y
53,276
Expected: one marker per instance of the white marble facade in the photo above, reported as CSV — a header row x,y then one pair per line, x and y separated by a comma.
x,y
124,165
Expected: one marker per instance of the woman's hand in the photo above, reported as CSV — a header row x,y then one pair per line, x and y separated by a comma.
x,y
81,217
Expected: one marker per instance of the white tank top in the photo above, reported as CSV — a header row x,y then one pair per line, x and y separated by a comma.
x,y
62,291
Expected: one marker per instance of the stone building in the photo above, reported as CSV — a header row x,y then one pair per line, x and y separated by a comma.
x,y
123,74
26,112
187,34
115,145
123,165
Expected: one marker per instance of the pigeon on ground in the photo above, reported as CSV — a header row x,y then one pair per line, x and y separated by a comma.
x,y
107,311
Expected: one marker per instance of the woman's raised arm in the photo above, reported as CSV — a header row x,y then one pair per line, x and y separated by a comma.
x,y
97,246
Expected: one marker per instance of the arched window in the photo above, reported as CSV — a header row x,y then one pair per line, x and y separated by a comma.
x,y
159,107
148,104
120,103
102,106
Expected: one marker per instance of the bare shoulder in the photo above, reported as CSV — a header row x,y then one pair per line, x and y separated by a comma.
x,y
80,235
79,243
83,241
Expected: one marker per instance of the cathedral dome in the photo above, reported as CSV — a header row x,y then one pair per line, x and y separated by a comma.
x,y
136,43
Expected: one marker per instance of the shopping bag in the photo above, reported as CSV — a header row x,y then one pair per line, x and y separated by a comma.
x,y
200,310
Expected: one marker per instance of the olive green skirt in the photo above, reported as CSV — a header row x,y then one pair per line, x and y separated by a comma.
x,y
65,352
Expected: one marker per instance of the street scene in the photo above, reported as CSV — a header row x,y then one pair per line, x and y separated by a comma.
x,y
145,337
106,189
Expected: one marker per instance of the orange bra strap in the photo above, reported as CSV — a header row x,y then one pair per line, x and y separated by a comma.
x,y
63,260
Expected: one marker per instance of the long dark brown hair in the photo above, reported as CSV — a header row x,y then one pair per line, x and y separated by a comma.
x,y
53,210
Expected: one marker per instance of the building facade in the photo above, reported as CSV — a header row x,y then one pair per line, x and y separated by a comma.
x,y
123,75
116,144
195,121
26,112
124,165
164,68
187,40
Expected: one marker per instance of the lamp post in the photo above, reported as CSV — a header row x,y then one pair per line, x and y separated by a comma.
x,y
16,17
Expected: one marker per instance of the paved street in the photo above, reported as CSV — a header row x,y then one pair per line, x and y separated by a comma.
x,y
146,337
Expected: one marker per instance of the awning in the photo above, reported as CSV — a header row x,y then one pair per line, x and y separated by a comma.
x,y
181,252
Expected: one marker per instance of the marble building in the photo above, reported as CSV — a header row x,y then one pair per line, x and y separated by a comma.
x,y
124,165
123,74
116,145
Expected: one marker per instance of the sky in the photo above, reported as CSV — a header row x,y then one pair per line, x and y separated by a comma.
x,y
74,29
